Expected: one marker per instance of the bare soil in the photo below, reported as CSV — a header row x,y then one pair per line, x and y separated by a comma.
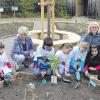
x,y
61,91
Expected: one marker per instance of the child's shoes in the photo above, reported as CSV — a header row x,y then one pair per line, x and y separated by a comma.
x,y
8,75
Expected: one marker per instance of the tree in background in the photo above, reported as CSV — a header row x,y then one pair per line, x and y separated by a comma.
x,y
27,8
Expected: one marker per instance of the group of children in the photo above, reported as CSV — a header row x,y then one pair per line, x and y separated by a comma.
x,y
81,58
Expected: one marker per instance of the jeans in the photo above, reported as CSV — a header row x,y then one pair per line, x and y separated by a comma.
x,y
73,63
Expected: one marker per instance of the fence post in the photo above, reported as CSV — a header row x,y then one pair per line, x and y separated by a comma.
x,y
1,10
14,9
49,17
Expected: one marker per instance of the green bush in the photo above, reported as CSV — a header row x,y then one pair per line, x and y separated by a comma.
x,y
30,8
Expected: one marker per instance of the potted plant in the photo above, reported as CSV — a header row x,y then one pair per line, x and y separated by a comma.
x,y
54,63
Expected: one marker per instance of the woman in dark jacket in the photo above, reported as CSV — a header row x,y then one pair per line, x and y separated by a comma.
x,y
92,63
93,35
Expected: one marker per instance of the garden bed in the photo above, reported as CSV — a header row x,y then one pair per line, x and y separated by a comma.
x,y
21,90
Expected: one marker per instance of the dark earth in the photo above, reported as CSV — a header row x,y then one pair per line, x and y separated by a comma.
x,y
60,91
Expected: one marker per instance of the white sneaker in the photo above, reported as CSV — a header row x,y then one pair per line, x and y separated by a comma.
x,y
17,67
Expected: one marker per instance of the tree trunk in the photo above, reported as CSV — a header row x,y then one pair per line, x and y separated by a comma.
x,y
79,8
97,9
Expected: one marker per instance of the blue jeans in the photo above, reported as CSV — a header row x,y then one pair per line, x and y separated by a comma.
x,y
61,70
73,63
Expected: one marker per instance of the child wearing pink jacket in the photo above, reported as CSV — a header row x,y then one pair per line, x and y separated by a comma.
x,y
6,69
92,64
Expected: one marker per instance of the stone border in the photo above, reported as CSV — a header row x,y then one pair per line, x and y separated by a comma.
x,y
71,37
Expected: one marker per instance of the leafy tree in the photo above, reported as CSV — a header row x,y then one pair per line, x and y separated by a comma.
x,y
26,7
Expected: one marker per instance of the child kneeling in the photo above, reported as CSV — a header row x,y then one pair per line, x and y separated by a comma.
x,y
92,64
42,66
63,56
6,69
78,56
43,53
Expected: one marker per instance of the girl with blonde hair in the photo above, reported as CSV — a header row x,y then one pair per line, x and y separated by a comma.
x,y
78,55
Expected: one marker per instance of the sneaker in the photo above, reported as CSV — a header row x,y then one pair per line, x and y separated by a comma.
x,y
27,63
17,67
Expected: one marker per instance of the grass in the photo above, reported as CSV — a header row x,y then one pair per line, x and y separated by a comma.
x,y
11,28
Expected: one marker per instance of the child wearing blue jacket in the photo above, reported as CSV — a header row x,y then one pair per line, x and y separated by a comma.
x,y
78,56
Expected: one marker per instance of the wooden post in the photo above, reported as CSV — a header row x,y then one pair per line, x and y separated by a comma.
x,y
97,9
0,18
53,19
52,2
79,8
14,17
49,17
42,19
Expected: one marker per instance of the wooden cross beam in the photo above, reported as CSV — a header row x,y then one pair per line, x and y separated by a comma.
x,y
46,3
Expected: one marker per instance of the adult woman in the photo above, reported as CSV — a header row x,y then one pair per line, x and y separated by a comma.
x,y
23,48
93,35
